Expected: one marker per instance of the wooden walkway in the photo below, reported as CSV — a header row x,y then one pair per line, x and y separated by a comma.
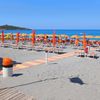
x,y
42,61
13,94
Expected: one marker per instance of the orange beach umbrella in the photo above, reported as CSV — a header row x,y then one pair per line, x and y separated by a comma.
x,y
84,41
77,40
17,38
2,37
45,38
60,39
33,37
54,39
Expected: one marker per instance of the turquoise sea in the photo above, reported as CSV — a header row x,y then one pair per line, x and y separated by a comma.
x,y
58,31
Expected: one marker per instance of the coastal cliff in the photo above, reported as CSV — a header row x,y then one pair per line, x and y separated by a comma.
x,y
11,27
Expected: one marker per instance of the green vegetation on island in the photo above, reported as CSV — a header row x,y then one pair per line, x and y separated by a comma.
x,y
11,27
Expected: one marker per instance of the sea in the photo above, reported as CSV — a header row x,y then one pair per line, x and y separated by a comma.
x,y
71,32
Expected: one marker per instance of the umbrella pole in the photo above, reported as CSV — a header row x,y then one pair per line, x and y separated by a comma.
x,y
46,57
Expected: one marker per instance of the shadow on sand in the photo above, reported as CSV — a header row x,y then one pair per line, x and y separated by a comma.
x,y
76,80
16,75
15,62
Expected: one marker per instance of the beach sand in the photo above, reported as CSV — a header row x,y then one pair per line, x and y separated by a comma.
x,y
52,81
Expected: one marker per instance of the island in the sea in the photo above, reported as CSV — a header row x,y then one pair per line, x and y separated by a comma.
x,y
11,27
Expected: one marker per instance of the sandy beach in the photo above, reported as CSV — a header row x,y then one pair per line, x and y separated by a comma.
x,y
54,81
50,50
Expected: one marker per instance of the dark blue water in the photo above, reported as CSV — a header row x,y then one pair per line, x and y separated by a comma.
x,y
45,31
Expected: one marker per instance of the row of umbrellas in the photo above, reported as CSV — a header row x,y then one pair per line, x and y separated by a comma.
x,y
32,38
33,35
84,42
49,35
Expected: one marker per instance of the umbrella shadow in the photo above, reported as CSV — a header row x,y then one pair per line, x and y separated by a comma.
x,y
16,75
60,52
76,80
98,50
95,57
15,62
81,56
54,63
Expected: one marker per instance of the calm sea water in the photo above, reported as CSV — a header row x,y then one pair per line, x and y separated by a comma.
x,y
67,32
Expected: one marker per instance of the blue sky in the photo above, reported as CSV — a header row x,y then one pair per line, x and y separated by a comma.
x,y
51,14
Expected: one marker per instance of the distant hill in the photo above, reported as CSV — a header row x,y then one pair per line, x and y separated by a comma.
x,y
11,27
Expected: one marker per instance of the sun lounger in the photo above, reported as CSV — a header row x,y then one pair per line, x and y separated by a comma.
x,y
59,51
93,55
38,48
49,49
18,46
80,54
5,45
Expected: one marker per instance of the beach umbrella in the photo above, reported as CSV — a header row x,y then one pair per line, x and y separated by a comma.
x,y
84,41
11,36
23,37
54,39
65,36
76,40
75,36
97,37
33,37
17,38
41,35
45,38
2,37
88,36
62,35
7,36
60,39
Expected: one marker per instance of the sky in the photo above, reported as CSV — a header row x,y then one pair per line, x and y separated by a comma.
x,y
51,14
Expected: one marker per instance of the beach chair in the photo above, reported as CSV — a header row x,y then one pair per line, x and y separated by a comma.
x,y
93,55
50,49
38,48
6,45
80,53
59,51
17,46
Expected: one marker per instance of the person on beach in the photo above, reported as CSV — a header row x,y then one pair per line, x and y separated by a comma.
x,y
88,46
86,51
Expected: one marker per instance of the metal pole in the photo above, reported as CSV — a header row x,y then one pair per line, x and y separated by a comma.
x,y
46,57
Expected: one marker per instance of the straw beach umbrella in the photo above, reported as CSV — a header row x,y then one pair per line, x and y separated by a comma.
x,y
2,37
97,37
88,36
54,39
7,36
75,36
